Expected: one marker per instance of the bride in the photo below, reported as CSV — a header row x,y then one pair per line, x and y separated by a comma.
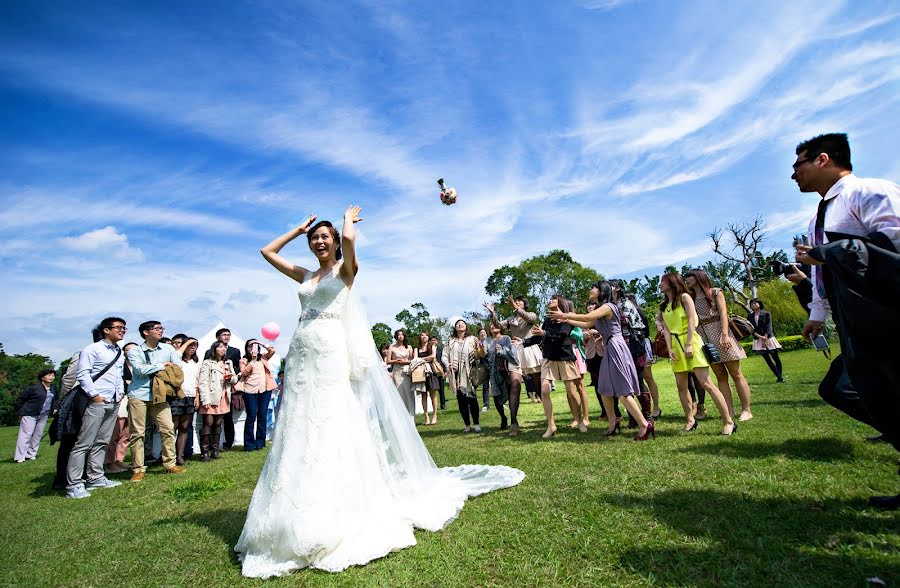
x,y
347,477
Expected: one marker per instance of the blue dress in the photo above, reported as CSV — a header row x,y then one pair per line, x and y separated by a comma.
x,y
618,376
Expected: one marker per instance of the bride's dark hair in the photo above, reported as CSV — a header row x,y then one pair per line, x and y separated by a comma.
x,y
334,235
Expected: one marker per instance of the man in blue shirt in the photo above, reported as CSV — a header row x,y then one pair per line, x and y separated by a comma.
x,y
84,470
145,360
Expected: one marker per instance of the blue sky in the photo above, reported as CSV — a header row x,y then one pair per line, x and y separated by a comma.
x,y
147,150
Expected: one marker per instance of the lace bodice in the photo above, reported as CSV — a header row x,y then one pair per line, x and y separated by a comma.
x,y
326,299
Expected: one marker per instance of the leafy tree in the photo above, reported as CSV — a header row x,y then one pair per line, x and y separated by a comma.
x,y
537,278
416,319
17,372
382,334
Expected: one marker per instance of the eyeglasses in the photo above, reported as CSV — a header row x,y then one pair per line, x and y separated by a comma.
x,y
118,328
801,162
157,328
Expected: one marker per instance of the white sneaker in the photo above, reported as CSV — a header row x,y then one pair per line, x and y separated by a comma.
x,y
78,492
484,408
477,429
102,483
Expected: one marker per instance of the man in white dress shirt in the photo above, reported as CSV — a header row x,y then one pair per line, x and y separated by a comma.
x,y
854,241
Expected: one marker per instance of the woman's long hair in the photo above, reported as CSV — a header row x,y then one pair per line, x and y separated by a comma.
x,y
604,292
247,354
453,334
705,285
676,286
211,354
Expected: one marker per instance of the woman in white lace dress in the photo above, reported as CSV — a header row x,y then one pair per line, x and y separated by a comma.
x,y
347,477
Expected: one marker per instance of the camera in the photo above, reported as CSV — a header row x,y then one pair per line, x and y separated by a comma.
x,y
782,269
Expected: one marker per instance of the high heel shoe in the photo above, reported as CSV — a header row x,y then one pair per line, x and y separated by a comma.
x,y
657,415
549,434
733,430
651,430
692,427
617,428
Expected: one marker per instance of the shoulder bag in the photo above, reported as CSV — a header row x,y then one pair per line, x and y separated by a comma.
x,y
739,327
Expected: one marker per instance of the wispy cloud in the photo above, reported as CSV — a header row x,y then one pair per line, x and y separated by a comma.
x,y
621,133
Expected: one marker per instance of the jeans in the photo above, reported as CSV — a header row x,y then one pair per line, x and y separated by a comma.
x,y
257,407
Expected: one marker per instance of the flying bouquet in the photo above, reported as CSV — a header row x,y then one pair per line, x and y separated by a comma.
x,y
448,195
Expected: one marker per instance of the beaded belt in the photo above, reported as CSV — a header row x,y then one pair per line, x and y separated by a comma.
x,y
311,314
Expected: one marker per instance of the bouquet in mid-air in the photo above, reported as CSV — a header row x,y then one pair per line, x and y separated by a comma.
x,y
448,195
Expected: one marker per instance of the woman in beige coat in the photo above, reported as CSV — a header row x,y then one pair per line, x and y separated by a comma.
x,y
214,387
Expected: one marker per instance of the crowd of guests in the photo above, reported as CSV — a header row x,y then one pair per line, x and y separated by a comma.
x,y
851,262
610,346
114,397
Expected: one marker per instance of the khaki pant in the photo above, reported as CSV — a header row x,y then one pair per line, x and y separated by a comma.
x,y
138,410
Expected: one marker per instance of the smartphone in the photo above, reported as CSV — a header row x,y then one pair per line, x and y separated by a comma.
x,y
819,342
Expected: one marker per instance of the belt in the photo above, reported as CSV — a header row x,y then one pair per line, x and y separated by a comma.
x,y
311,314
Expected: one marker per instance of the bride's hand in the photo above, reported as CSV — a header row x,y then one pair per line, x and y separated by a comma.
x,y
305,226
352,214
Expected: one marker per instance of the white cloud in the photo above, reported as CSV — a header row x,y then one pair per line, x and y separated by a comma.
x,y
106,242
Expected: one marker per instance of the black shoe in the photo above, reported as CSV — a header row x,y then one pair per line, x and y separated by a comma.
x,y
779,381
885,502
504,425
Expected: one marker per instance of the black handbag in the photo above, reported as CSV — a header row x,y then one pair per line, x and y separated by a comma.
x,y
711,353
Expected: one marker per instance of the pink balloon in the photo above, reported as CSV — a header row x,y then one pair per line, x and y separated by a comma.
x,y
271,331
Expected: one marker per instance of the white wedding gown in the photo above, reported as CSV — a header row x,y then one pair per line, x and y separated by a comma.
x,y
347,477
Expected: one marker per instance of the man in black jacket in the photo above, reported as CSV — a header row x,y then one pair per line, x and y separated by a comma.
x,y
34,406
854,250
234,355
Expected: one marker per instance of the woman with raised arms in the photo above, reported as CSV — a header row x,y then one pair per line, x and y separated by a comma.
x,y
347,478
617,377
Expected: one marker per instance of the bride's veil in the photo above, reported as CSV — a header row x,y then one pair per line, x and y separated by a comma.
x,y
411,472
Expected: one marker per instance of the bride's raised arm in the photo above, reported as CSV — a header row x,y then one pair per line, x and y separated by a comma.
x,y
270,252
348,244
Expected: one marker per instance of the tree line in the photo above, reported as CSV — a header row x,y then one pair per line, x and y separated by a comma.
x,y
740,267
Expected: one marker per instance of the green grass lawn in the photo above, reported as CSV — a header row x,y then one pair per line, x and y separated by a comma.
x,y
782,503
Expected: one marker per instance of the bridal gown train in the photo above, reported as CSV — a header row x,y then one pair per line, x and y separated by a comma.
x,y
347,477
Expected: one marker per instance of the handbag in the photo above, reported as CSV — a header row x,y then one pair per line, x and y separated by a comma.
x,y
659,346
437,368
237,401
418,374
480,351
739,327
479,373
711,352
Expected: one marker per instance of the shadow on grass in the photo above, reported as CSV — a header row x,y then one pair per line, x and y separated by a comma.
x,y
794,402
732,539
528,434
44,485
224,523
824,449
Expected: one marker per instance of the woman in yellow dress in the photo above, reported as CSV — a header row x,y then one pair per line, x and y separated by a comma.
x,y
679,321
